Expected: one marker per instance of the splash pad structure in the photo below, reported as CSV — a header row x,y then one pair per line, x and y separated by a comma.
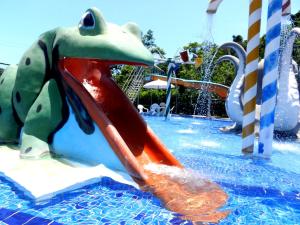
x,y
270,95
204,85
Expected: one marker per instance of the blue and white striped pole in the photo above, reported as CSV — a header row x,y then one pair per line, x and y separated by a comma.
x,y
269,83
171,67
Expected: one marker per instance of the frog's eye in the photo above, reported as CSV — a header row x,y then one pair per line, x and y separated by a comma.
x,y
92,23
87,21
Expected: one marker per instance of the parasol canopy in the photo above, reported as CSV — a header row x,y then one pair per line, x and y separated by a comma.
x,y
157,84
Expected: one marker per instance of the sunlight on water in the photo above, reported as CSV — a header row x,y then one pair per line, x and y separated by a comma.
x,y
199,145
192,178
189,145
186,131
196,123
211,144
286,147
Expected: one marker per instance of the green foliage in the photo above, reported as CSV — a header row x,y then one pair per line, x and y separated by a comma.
x,y
149,41
240,40
122,76
262,46
224,74
296,19
296,51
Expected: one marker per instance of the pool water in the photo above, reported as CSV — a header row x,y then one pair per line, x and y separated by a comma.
x,y
260,191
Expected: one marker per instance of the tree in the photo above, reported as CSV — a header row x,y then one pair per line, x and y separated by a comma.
x,y
240,40
296,51
148,39
296,19
149,42
262,46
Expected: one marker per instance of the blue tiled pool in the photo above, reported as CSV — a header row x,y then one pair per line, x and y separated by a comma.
x,y
260,191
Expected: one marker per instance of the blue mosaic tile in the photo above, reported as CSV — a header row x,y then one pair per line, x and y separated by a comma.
x,y
17,218
119,195
139,216
177,221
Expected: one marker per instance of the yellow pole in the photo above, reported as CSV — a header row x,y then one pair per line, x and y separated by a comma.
x,y
250,86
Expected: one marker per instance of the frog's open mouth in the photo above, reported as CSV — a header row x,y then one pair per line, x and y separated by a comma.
x,y
90,72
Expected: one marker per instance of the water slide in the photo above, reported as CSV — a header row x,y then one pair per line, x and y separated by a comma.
x,y
219,89
136,145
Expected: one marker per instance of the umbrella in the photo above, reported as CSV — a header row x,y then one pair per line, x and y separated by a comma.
x,y
157,84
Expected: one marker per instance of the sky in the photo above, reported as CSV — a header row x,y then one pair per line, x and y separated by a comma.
x,y
174,23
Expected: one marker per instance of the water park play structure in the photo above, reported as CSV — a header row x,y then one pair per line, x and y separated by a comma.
x,y
185,58
270,101
62,90
287,107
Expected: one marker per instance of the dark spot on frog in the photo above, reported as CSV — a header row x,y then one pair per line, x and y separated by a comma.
x,y
18,97
2,81
38,108
28,150
27,61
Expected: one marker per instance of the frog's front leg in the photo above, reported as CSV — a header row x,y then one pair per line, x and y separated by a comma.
x,y
43,118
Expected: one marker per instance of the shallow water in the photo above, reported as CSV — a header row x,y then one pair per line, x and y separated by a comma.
x,y
260,191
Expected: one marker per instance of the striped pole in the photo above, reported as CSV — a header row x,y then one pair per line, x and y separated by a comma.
x,y
213,6
269,83
286,7
171,67
250,86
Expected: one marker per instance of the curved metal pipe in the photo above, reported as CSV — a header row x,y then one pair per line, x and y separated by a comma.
x,y
239,50
233,102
